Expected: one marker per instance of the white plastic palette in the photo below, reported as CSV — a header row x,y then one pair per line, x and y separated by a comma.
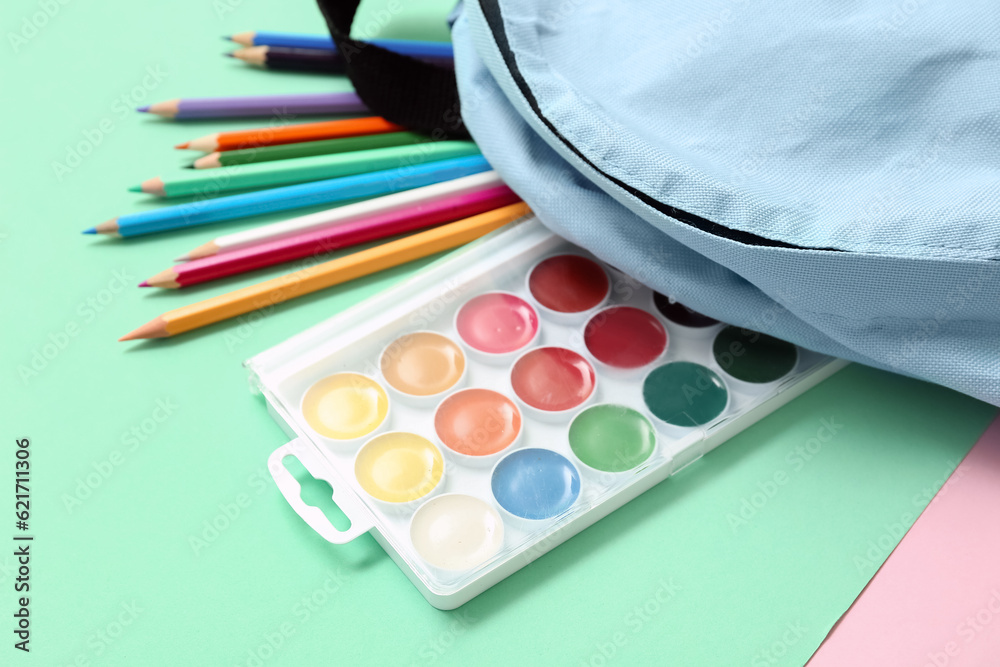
x,y
461,513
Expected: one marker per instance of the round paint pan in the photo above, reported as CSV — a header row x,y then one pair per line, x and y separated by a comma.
x,y
496,326
398,468
625,339
568,287
752,358
345,408
683,320
552,382
477,425
421,367
609,438
456,532
532,485
684,394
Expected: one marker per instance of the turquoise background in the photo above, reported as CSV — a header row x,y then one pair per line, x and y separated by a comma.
x,y
138,449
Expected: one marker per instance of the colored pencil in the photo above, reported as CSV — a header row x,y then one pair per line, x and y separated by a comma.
x,y
327,239
290,134
315,168
408,47
327,61
288,197
258,105
327,274
340,215
306,149
299,60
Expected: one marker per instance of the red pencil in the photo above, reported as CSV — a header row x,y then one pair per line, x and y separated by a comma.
x,y
331,238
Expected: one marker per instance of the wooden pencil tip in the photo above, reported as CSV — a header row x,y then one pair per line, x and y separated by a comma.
x,y
184,145
109,227
143,109
166,279
144,283
92,230
153,186
155,328
135,188
229,55
206,250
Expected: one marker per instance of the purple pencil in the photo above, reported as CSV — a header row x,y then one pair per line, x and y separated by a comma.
x,y
258,105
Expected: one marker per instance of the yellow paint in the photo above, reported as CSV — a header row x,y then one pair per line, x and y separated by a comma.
x,y
345,406
398,467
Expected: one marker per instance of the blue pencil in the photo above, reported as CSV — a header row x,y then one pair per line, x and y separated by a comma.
x,y
292,196
293,40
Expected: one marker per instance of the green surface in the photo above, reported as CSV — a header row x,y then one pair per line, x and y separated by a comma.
x,y
611,438
160,539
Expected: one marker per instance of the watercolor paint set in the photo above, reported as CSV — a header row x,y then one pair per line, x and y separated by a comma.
x,y
504,399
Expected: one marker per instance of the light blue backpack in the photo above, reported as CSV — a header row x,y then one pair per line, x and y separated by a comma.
x,y
823,172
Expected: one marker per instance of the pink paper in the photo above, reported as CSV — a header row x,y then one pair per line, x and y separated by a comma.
x,y
936,600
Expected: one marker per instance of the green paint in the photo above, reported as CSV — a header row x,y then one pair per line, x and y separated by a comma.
x,y
753,357
611,438
685,394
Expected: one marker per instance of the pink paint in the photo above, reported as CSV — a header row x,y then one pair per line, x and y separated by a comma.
x,y
936,599
497,323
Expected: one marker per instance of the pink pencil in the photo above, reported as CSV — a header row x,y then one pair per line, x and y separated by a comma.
x,y
324,240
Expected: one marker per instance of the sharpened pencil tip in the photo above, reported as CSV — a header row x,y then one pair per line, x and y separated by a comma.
x,y
143,109
188,166
92,230
229,55
144,284
135,188
228,37
184,145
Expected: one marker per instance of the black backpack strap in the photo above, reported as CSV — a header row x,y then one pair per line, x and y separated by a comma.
x,y
419,95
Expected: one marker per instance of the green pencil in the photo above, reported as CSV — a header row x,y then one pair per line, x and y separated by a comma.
x,y
306,149
301,170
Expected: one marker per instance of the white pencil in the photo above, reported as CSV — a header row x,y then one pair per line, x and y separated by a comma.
x,y
344,214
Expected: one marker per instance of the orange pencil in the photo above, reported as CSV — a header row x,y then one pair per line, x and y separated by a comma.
x,y
329,273
291,134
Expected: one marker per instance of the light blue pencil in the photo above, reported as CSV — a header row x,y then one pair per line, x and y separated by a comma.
x,y
294,40
292,196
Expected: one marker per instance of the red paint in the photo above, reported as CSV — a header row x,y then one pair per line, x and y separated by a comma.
x,y
568,283
553,379
497,323
625,337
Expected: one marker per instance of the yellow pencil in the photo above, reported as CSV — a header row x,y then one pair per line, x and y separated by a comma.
x,y
327,274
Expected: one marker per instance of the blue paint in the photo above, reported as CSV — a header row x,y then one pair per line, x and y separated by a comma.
x,y
535,483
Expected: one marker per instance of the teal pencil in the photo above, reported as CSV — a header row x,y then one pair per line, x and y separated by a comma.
x,y
290,197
